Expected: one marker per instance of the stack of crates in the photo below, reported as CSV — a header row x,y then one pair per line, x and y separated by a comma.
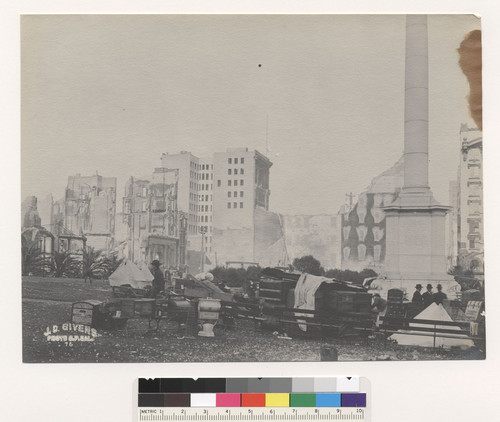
x,y
395,303
395,309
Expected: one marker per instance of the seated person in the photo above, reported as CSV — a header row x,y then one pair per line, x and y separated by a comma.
x,y
378,304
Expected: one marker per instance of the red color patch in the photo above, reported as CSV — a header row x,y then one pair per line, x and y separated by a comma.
x,y
253,400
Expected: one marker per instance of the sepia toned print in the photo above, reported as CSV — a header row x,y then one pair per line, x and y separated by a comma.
x,y
211,188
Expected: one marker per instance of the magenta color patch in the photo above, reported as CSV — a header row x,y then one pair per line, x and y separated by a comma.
x,y
228,400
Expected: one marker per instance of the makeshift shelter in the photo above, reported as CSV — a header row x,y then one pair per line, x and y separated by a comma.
x,y
135,276
436,313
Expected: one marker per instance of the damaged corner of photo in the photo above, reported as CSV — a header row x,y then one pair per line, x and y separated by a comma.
x,y
230,197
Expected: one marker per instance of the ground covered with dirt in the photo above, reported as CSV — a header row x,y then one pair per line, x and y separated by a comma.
x,y
47,303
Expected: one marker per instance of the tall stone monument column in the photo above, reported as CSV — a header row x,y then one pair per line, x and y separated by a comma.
x,y
415,221
416,138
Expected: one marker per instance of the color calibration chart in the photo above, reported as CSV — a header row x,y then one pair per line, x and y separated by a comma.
x,y
254,399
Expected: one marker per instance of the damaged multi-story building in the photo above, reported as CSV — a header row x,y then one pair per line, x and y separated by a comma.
x,y
90,209
155,228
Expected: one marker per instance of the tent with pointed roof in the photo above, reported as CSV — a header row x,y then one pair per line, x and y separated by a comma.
x,y
128,273
436,313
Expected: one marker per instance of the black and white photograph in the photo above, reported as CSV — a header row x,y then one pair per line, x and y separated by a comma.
x,y
251,188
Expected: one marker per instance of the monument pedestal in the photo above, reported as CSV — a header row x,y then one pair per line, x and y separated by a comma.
x,y
415,243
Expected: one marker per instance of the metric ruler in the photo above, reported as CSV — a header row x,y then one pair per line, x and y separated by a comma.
x,y
164,414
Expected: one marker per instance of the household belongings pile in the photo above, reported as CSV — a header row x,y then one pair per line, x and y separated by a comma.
x,y
327,295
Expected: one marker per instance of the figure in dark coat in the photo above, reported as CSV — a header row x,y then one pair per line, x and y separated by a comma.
x,y
158,280
417,297
427,296
439,296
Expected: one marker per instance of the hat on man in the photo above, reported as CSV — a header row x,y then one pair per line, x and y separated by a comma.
x,y
418,286
155,263
429,286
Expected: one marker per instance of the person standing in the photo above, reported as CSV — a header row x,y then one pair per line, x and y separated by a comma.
x,y
158,280
439,296
427,296
417,297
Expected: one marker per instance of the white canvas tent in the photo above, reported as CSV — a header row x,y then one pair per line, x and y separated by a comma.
x,y
137,276
436,313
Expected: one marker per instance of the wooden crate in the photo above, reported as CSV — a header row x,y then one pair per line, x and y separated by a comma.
x,y
275,291
144,307
127,308
87,312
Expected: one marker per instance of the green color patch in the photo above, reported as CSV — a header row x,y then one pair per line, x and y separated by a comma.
x,y
302,400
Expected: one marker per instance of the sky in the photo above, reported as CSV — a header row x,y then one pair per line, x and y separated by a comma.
x,y
321,95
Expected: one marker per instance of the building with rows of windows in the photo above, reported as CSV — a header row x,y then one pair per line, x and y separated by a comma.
x,y
470,201
222,196
195,182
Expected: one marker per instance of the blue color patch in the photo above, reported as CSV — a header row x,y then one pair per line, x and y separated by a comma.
x,y
328,400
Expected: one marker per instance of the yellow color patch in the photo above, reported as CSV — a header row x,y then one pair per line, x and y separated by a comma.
x,y
277,400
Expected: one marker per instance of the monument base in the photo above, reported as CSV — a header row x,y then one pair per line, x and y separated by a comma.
x,y
415,244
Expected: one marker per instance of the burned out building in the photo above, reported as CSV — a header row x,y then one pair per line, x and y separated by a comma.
x,y
153,222
90,209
